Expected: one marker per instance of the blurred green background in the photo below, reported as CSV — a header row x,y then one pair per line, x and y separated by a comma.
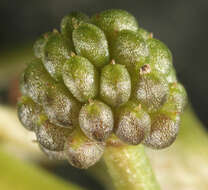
x,y
181,25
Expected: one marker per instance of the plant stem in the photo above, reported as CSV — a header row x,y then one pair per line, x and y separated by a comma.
x,y
129,168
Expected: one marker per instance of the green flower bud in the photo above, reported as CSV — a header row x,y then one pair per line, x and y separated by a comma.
x,y
60,107
177,99
113,21
71,21
28,113
96,120
56,52
129,49
164,129
82,152
132,123
115,84
51,136
35,81
81,78
160,58
90,42
151,90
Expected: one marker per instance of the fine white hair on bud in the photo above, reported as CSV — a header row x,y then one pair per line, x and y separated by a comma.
x,y
82,152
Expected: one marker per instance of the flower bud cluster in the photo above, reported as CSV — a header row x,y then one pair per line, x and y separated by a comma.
x,y
99,81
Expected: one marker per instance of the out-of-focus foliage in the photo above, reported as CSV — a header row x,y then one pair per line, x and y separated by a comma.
x,y
19,175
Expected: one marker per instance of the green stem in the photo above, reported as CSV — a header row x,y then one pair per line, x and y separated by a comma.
x,y
129,168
